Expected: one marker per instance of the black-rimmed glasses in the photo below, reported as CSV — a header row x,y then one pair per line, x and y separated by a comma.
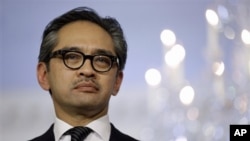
x,y
75,60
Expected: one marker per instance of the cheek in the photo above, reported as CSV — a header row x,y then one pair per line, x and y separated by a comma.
x,y
59,80
108,84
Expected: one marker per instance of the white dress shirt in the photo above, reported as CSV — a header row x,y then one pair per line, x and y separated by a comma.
x,y
101,128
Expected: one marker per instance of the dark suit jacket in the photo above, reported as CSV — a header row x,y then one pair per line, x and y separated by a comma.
x,y
116,135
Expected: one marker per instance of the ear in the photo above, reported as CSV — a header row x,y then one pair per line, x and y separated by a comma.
x,y
118,83
42,75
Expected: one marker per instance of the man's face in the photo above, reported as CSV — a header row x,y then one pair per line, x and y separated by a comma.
x,y
83,89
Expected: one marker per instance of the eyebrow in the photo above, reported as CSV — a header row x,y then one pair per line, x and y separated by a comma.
x,y
103,52
71,48
96,51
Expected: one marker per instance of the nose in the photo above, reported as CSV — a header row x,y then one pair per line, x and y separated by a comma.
x,y
86,69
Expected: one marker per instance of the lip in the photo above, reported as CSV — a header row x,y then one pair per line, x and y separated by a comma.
x,y
88,87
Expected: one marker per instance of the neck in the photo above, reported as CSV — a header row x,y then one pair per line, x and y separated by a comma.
x,y
79,117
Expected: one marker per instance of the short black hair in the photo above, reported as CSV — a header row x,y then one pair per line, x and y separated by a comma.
x,y
109,24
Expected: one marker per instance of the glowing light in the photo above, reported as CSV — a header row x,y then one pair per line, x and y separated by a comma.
x,y
168,37
187,95
229,33
218,68
181,138
223,12
175,56
245,36
212,17
153,77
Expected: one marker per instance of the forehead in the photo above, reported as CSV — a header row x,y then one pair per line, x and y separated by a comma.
x,y
85,35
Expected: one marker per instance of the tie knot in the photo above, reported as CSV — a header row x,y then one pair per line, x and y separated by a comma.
x,y
78,133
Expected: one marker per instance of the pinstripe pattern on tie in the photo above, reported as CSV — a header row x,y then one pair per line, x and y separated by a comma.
x,y
78,133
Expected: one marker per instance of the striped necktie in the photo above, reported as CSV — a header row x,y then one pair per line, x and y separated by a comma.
x,y
78,133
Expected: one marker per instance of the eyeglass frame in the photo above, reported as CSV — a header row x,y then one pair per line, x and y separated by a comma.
x,y
63,52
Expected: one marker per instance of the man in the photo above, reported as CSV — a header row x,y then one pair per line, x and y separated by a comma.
x,y
81,62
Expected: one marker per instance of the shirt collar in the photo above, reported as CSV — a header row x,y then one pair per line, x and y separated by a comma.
x,y
100,126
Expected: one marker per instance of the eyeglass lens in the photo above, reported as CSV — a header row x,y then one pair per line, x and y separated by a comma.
x,y
75,60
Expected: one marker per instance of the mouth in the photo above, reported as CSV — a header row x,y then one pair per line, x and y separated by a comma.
x,y
87,87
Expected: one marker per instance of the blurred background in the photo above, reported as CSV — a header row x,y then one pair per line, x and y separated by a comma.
x,y
187,76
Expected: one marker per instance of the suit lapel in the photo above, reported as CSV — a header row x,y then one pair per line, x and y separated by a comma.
x,y
116,135
47,136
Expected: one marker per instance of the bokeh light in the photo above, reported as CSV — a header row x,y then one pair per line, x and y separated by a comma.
x,y
187,95
175,56
245,36
223,13
168,37
212,17
229,32
181,138
153,77
218,68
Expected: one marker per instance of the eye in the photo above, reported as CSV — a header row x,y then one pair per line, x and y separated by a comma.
x,y
72,57
102,60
